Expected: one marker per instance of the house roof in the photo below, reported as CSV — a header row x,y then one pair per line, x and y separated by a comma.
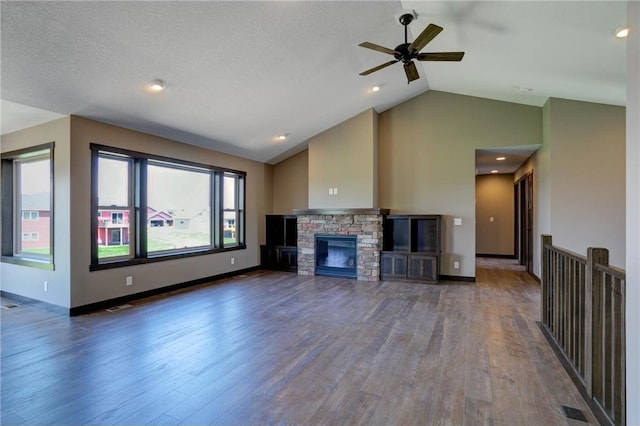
x,y
239,74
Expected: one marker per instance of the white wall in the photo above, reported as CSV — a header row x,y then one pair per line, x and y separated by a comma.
x,y
28,281
633,214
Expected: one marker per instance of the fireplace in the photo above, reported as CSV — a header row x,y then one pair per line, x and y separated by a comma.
x,y
336,255
362,226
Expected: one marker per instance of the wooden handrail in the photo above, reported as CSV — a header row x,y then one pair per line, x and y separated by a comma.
x,y
583,313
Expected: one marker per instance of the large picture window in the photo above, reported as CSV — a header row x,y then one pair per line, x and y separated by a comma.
x,y
27,206
178,208
150,208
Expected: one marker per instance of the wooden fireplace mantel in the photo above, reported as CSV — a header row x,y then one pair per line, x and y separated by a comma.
x,y
333,212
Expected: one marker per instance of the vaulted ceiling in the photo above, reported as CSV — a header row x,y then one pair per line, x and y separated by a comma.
x,y
238,74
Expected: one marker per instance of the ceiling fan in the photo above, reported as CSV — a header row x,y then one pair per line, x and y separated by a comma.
x,y
406,51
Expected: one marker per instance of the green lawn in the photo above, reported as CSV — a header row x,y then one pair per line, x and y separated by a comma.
x,y
42,250
159,244
112,251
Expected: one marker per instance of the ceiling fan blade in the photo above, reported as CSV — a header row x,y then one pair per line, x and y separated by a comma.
x,y
411,71
441,56
425,37
379,67
377,47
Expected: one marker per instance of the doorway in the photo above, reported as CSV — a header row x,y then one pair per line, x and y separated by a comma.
x,y
523,207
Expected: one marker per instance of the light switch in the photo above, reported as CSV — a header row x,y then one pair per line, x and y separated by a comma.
x,y
491,219
457,221
330,191
335,191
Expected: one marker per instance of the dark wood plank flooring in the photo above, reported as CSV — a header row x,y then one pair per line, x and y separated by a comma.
x,y
276,348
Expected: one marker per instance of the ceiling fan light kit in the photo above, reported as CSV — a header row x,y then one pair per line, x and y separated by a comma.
x,y
407,52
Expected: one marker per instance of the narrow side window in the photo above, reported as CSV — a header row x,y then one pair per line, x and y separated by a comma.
x,y
27,206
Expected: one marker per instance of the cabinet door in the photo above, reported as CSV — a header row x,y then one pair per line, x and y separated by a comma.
x,y
289,259
393,265
269,257
423,267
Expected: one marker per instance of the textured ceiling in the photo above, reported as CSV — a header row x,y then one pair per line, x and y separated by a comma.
x,y
240,73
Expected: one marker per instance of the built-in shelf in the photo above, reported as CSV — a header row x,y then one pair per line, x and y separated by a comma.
x,y
411,247
281,249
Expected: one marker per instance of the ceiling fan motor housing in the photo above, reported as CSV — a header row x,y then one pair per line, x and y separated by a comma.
x,y
402,52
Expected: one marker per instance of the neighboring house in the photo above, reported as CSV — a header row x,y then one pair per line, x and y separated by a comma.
x,y
35,226
193,221
157,218
113,227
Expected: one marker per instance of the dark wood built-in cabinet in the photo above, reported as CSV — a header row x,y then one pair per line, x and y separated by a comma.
x,y
281,249
411,247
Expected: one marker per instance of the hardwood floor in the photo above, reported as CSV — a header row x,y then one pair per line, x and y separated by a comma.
x,y
277,348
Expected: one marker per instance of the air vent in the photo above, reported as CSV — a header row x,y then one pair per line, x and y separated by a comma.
x,y
9,306
119,308
574,413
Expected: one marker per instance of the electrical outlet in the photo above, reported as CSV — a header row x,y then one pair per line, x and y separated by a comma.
x,y
129,280
233,260
456,265
46,286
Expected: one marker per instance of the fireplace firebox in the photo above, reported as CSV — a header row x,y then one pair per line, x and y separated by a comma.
x,y
336,255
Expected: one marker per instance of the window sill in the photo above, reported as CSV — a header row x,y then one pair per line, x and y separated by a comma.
x,y
162,258
31,263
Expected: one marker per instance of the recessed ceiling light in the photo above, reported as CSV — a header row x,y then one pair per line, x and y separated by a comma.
x,y
157,85
494,171
375,88
282,137
622,32
501,158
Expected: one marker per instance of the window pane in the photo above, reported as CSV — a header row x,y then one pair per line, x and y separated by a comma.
x,y
229,192
113,235
34,205
178,208
113,214
113,182
229,227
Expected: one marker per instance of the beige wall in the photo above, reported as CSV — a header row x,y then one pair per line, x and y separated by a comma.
x,y
27,281
344,157
494,214
291,184
88,287
587,144
579,179
427,160
539,164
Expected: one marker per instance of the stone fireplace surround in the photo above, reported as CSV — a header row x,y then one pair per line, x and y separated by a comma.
x,y
366,224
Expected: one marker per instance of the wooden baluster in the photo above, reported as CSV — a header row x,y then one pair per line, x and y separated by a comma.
x,y
593,321
544,273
